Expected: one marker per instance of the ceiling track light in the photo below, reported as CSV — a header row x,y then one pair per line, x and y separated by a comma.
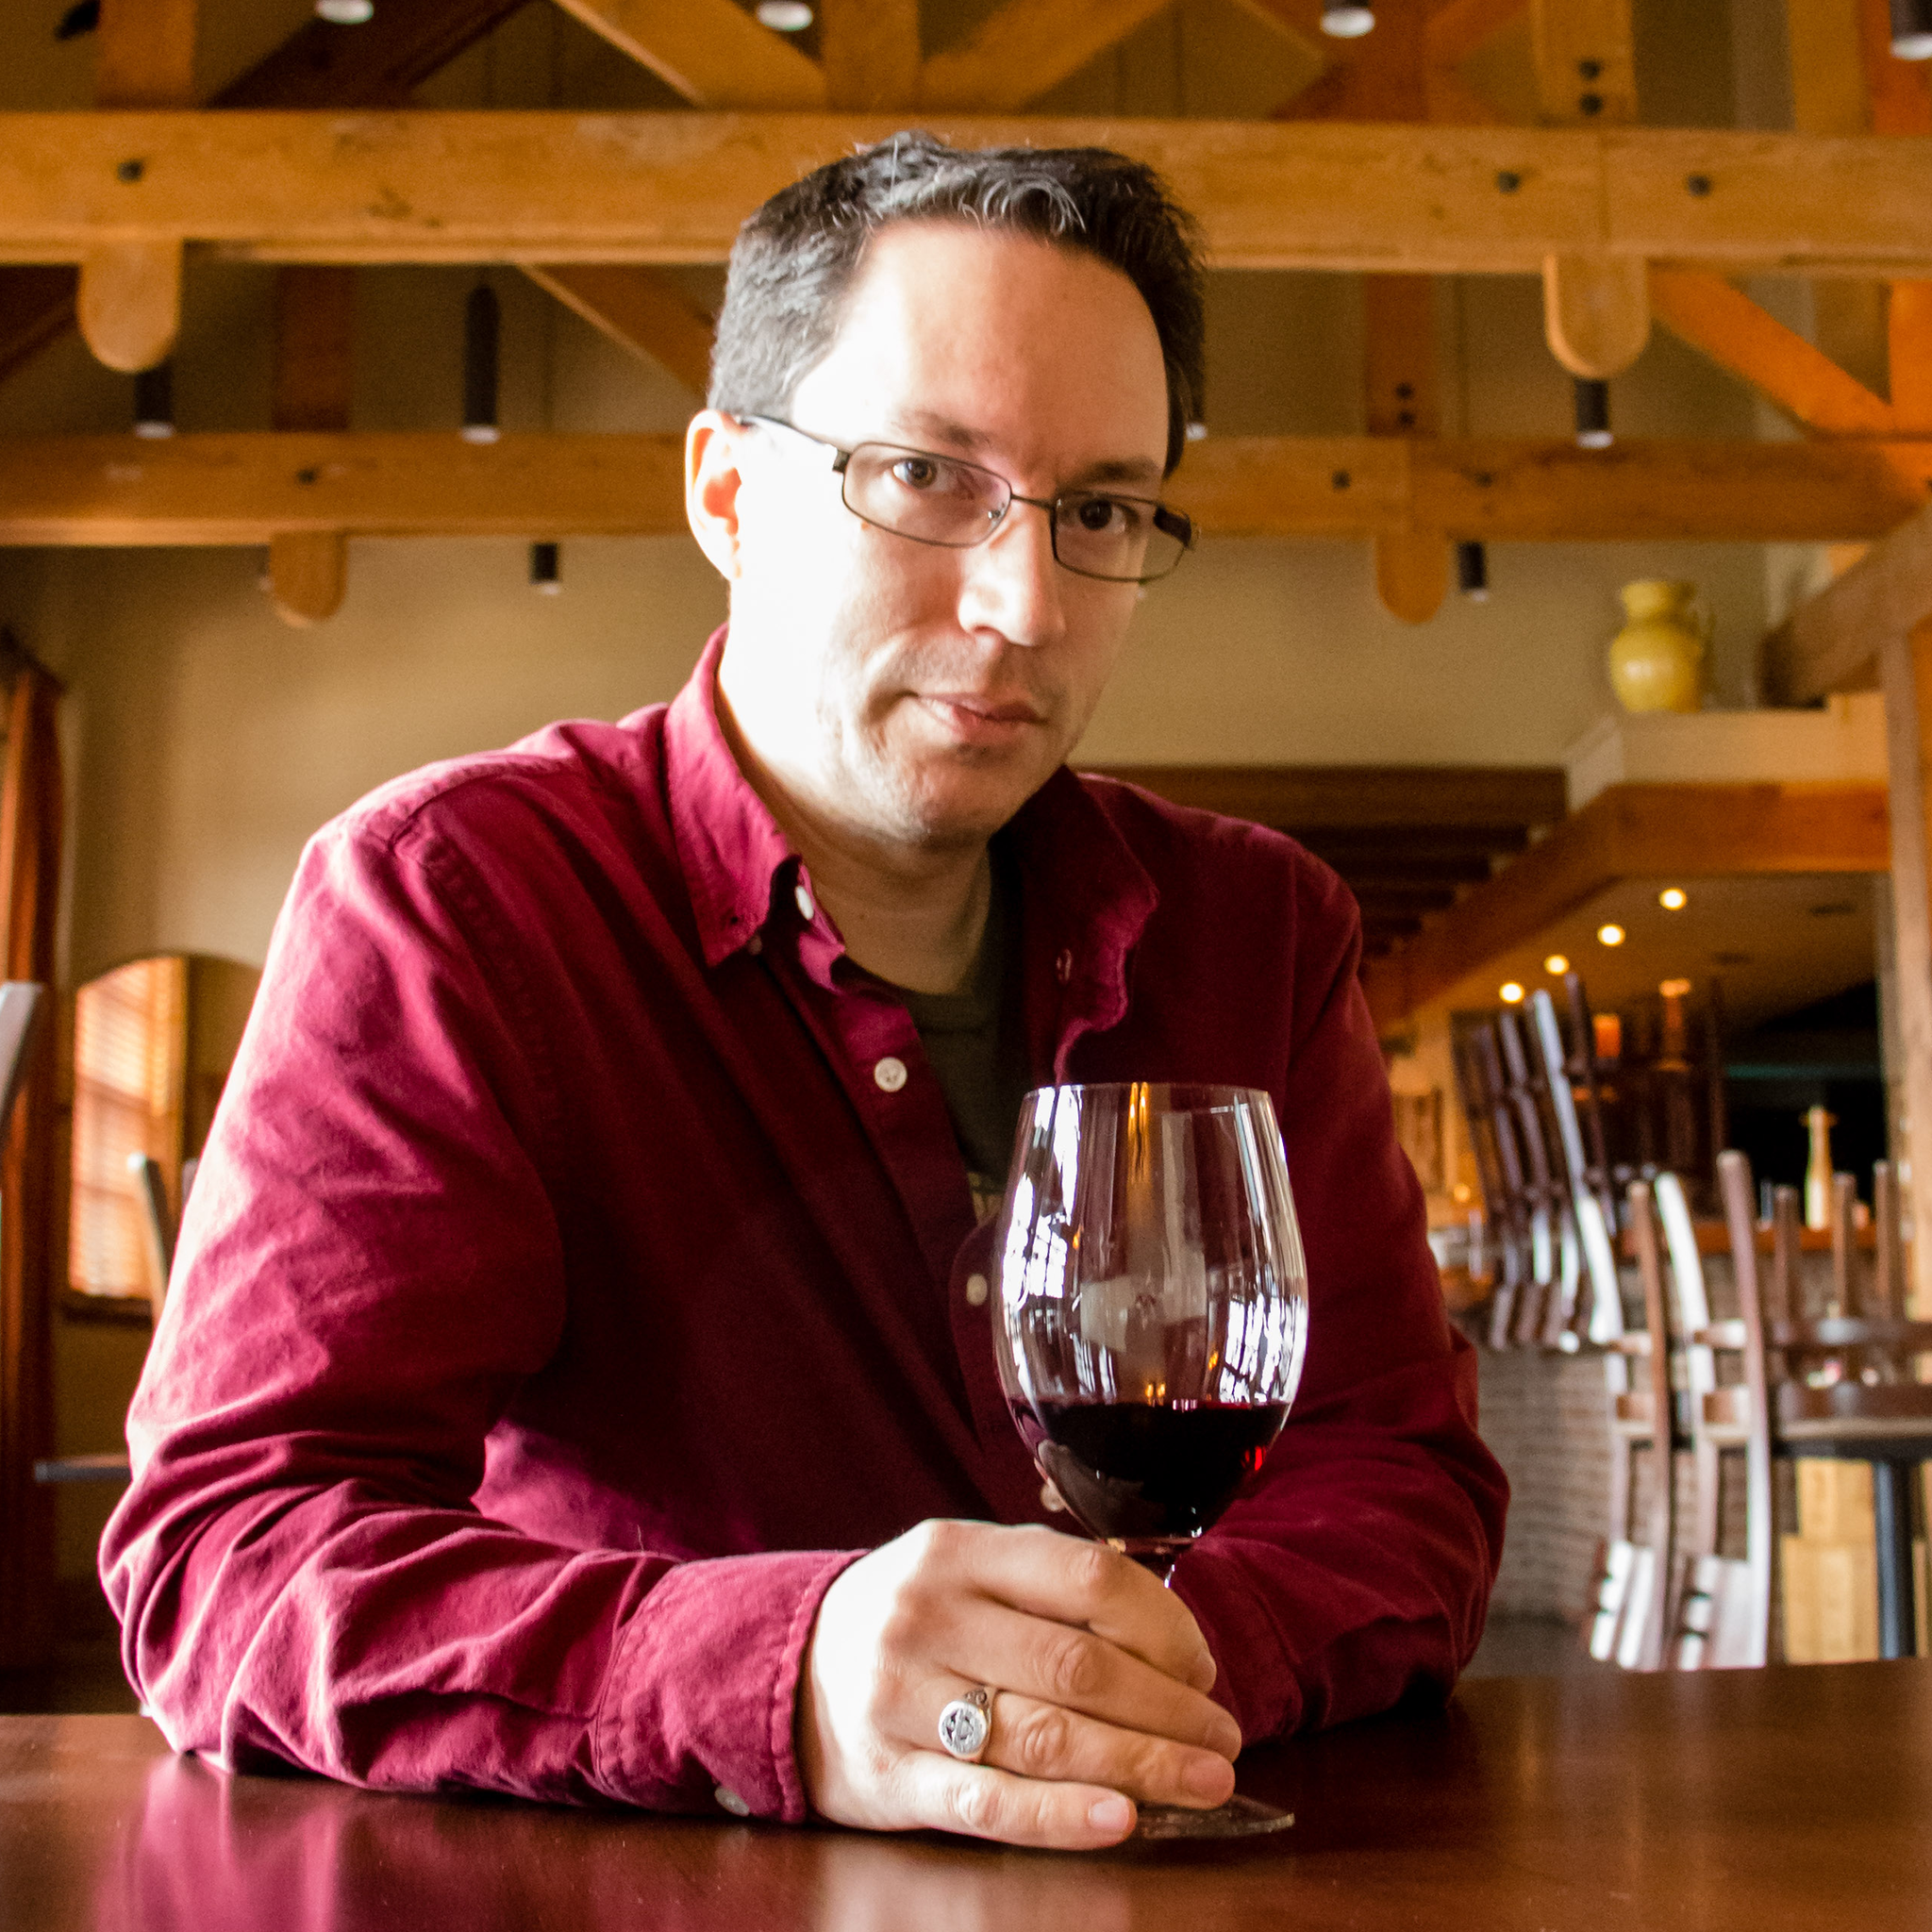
x,y
482,324
1911,29
1593,414
154,403
546,574
1343,21
1472,572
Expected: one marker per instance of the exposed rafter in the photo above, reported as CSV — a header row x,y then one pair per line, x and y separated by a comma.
x,y
242,489
537,186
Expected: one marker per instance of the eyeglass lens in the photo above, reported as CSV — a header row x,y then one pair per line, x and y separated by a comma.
x,y
937,499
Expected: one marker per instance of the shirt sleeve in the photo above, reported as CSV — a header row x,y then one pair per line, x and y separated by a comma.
x,y
1358,1569
370,1267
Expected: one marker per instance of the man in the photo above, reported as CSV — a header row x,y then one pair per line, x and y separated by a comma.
x,y
565,1388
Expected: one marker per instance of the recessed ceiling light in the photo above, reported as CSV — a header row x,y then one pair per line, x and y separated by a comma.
x,y
784,16
1557,965
1345,22
1611,934
1511,993
1672,899
346,13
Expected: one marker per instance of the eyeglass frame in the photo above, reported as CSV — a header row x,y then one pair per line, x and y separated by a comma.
x,y
1164,516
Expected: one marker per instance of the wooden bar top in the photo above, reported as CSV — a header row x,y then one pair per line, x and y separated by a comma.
x,y
1726,1801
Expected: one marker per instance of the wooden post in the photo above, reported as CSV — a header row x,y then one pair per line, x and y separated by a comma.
x,y
1906,668
314,382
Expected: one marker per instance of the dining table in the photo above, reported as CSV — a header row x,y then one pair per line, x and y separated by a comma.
x,y
1764,1801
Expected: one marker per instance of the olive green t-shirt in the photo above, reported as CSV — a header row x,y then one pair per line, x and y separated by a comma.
x,y
976,1039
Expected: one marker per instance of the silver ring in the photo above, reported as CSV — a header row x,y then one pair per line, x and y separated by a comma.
x,y
966,1724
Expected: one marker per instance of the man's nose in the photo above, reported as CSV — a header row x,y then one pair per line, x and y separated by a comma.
x,y
1013,582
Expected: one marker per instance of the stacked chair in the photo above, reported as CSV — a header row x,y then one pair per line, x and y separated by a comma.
x,y
1568,1149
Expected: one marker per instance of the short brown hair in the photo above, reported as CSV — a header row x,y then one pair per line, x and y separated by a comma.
x,y
796,259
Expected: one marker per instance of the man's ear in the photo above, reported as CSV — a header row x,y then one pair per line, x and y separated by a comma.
x,y
712,483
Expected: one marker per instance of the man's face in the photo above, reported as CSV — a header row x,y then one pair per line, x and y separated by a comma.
x,y
910,693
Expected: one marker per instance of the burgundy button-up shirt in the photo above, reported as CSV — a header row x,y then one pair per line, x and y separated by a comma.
x,y
568,1293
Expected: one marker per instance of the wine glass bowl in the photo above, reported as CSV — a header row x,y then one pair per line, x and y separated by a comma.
x,y
1151,1305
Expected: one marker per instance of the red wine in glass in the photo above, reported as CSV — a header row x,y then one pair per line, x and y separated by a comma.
x,y
1150,1319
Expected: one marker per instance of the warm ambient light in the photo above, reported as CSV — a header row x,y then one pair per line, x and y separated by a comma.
x,y
1675,989
1513,994
1556,965
1671,899
1611,934
1341,22
784,16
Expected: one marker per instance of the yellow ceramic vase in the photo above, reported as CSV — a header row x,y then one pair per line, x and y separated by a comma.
x,y
1656,660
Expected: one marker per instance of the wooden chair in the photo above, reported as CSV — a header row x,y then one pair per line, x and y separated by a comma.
x,y
1630,1594
1841,1385
1589,1224
1499,1160
1555,1266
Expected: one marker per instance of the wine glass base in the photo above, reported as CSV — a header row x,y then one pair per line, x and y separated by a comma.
x,y
1239,1817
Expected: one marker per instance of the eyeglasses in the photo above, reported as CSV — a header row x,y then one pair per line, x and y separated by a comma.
x,y
955,504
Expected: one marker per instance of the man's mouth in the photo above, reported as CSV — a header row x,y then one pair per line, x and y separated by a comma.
x,y
969,707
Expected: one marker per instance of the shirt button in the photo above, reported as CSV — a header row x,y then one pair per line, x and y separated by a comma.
x,y
755,944
890,1073
731,1801
976,1290
1063,967
802,898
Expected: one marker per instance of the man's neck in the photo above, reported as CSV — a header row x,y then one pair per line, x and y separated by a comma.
x,y
912,915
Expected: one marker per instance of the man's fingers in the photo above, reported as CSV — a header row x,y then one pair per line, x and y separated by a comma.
x,y
1071,1581
1046,1741
1076,1669
983,1801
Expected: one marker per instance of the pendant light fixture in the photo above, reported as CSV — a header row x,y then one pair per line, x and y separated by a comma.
x,y
1342,22
154,403
1911,29
1472,572
1593,414
482,318
547,574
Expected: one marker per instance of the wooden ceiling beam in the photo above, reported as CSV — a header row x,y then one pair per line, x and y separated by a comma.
x,y
1596,312
231,488
869,53
1027,48
1458,28
640,309
128,298
709,51
312,386
376,65
317,66
434,186
1635,831
1833,641
1726,326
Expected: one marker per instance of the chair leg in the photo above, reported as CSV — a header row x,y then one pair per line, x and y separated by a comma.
x,y
1892,1503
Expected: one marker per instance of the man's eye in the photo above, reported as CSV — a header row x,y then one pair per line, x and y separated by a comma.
x,y
1109,516
917,472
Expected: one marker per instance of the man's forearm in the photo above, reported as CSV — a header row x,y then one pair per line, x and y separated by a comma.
x,y
413,1648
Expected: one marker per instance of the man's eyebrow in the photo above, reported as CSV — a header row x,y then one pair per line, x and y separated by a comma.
x,y
976,442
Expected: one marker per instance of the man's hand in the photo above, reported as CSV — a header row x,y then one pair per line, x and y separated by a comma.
x,y
1103,1679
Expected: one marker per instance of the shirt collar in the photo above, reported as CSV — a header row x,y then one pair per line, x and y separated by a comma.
x,y
1082,886
729,847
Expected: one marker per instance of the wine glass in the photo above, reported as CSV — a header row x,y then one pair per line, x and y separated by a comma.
x,y
1149,1320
